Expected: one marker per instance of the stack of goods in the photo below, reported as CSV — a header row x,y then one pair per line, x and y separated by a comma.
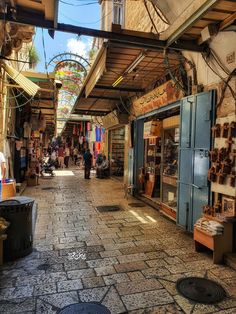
x,y
213,227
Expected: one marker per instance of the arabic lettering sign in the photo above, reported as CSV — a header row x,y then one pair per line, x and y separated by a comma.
x,y
160,96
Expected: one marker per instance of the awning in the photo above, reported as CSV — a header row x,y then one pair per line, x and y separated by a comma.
x,y
29,87
197,17
121,71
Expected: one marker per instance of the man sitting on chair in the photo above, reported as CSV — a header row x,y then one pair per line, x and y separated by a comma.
x,y
103,168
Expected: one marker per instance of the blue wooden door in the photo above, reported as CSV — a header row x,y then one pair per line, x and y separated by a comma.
x,y
197,115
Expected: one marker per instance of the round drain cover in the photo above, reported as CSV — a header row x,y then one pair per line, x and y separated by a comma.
x,y
85,308
136,205
200,290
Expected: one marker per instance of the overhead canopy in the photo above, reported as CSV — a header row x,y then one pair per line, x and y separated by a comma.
x,y
74,120
139,68
46,101
196,16
27,85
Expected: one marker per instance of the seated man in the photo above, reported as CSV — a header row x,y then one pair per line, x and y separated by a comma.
x,y
103,169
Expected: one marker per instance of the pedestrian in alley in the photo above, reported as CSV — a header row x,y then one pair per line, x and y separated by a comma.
x,y
61,155
75,155
87,164
67,156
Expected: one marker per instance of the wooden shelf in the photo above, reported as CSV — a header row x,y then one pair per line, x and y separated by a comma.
x,y
169,180
219,244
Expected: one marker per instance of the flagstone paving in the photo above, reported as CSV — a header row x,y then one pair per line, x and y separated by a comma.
x,y
128,260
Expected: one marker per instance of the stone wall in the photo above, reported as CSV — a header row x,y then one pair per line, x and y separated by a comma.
x,y
137,18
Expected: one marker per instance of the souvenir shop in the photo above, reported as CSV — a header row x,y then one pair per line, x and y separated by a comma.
x,y
81,133
115,128
170,155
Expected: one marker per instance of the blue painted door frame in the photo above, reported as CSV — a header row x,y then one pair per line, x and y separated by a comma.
x,y
197,117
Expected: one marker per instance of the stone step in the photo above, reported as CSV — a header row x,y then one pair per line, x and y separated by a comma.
x,y
230,260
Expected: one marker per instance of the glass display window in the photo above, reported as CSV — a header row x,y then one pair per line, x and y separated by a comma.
x,y
170,167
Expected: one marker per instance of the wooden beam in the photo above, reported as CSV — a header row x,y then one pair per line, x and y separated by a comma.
x,y
190,15
104,97
228,21
22,17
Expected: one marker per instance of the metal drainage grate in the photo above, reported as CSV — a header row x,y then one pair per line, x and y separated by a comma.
x,y
84,308
44,266
136,205
200,290
49,188
109,208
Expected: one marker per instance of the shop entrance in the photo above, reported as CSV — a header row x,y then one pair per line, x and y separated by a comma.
x,y
116,149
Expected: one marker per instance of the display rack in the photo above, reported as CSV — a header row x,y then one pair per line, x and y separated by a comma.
x,y
152,167
117,148
219,244
222,177
170,150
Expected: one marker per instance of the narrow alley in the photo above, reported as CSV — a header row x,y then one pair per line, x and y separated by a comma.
x,y
127,260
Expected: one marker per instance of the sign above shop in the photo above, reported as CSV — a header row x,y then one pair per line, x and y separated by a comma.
x,y
152,129
114,119
160,96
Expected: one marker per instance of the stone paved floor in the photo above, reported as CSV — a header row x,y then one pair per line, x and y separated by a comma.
x,y
133,257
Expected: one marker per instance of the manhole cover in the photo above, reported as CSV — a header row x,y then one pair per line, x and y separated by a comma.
x,y
43,266
85,308
48,188
200,290
136,205
109,208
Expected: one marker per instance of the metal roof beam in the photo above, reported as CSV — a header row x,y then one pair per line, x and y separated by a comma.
x,y
91,112
23,17
121,89
104,97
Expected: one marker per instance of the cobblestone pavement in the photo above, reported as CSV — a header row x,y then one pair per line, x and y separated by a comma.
x,y
127,260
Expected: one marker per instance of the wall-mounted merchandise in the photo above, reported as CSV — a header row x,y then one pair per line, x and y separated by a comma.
x,y
222,172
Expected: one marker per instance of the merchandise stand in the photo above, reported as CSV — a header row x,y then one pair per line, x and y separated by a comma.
x,y
219,244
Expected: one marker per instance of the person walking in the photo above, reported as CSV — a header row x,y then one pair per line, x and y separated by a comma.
x,y
75,155
87,164
61,155
67,156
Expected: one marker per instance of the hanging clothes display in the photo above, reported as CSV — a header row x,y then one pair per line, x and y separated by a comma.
x,y
88,126
81,139
98,134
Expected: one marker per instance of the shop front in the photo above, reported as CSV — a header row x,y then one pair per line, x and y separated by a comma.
x,y
170,152
114,124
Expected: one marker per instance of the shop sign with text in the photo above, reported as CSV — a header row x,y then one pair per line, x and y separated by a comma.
x,y
160,96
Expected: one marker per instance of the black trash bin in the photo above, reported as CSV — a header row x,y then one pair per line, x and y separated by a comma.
x,y
19,242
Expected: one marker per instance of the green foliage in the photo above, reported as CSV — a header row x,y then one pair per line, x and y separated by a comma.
x,y
33,56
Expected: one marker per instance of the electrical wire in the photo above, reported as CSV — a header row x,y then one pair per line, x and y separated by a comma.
x,y
151,19
44,53
213,70
78,5
76,21
226,83
159,15
167,65
218,61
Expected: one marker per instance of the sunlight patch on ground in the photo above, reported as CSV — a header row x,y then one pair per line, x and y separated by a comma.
x,y
150,218
63,173
141,219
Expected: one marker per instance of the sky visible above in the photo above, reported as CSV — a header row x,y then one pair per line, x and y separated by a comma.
x,y
84,13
